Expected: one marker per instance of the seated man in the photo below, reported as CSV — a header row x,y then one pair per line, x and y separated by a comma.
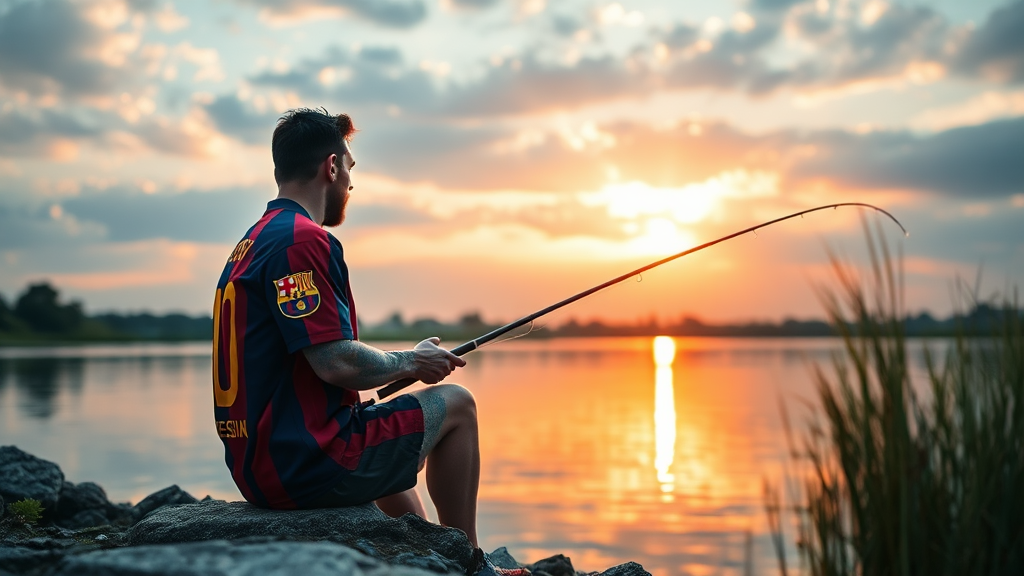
x,y
287,363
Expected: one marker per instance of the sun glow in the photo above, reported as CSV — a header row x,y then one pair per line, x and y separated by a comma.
x,y
689,204
661,236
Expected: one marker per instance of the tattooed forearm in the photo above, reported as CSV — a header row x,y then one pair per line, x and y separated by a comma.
x,y
355,365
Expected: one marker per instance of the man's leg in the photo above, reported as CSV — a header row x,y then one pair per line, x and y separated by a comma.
x,y
451,448
397,505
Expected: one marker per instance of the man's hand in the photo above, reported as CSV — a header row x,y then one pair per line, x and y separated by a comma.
x,y
433,363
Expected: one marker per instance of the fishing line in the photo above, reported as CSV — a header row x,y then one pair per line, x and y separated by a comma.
x,y
468,347
532,327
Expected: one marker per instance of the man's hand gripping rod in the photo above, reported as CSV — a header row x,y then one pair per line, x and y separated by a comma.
x,y
468,347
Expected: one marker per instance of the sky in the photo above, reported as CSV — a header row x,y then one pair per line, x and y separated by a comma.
x,y
514,152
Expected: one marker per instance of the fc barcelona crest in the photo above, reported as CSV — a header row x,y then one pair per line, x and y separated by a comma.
x,y
297,296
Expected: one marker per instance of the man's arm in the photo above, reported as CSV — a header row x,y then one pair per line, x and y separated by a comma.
x,y
357,366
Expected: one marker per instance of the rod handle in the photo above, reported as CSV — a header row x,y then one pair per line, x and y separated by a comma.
x,y
395,386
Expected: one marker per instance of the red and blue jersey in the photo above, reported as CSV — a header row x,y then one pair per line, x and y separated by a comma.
x,y
288,435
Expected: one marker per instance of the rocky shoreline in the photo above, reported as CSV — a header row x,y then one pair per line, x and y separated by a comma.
x,y
170,532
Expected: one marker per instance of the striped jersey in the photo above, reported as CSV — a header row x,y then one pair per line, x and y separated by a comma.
x,y
288,435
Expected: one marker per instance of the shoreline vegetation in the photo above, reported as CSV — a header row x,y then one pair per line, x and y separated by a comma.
x,y
889,478
39,317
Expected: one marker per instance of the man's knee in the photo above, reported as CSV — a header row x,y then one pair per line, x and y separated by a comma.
x,y
459,402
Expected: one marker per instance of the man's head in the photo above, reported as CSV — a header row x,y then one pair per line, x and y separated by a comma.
x,y
312,144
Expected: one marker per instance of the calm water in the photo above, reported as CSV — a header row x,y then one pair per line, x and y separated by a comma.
x,y
589,446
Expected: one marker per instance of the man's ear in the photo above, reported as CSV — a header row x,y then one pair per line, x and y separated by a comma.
x,y
331,167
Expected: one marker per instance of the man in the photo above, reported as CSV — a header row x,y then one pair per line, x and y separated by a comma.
x,y
288,364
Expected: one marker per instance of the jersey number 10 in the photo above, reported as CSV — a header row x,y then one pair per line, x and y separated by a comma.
x,y
225,299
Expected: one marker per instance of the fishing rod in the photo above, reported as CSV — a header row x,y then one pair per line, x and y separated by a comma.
x,y
468,347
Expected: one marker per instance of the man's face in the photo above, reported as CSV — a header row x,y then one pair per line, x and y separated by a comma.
x,y
338,192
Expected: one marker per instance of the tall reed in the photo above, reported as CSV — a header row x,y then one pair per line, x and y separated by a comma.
x,y
898,483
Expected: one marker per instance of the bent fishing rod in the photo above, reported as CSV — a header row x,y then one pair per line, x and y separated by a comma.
x,y
468,347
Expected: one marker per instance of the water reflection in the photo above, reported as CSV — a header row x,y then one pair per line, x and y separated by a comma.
x,y
39,382
664,415
570,460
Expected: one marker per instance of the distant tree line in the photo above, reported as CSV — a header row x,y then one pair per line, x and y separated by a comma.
x,y
38,314
982,320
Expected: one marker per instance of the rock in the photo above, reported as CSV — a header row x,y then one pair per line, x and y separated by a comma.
x,y
20,559
177,535
56,532
25,476
408,541
627,569
502,559
47,543
557,565
77,497
85,519
166,497
84,505
222,558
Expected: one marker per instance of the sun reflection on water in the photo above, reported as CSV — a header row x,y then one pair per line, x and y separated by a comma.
x,y
664,415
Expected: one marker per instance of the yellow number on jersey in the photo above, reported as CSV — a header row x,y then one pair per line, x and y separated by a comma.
x,y
225,298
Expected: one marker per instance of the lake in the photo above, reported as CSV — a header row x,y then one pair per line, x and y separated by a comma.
x,y
604,449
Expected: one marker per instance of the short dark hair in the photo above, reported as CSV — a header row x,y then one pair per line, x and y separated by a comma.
x,y
303,138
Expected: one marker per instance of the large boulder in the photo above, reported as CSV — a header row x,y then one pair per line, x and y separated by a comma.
x,y
22,475
221,558
407,541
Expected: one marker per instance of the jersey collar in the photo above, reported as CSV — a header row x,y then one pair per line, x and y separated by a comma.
x,y
286,204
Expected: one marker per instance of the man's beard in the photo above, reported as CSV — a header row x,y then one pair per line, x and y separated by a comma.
x,y
334,208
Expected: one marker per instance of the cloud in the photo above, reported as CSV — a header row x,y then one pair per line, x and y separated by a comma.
x,y
33,225
977,110
571,157
68,49
729,60
231,117
899,42
380,77
127,215
59,135
27,133
996,50
528,85
826,51
981,162
970,162
474,4
375,76
775,5
390,13
168,20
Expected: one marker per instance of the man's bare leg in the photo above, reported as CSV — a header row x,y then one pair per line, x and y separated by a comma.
x,y
453,462
407,502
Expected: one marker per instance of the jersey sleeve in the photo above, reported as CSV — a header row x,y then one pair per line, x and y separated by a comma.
x,y
307,290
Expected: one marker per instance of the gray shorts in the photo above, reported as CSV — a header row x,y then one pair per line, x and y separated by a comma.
x,y
434,412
